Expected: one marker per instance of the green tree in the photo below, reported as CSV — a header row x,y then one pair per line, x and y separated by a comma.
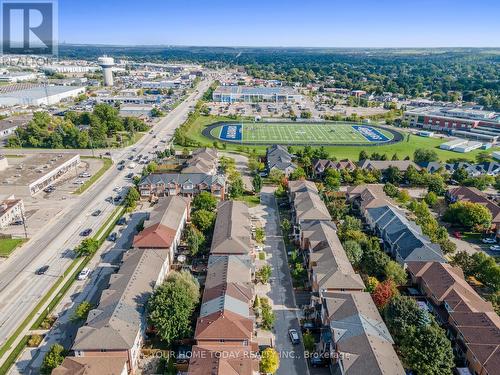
x,y
436,184
393,175
132,197
257,183
171,306
203,220
431,199
204,201
354,252
269,361
422,155
427,351
309,342
82,310
87,247
195,239
263,274
402,313
391,190
276,176
469,214
298,174
237,188
395,272
53,358
460,175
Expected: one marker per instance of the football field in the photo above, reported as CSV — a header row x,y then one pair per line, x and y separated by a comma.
x,y
301,133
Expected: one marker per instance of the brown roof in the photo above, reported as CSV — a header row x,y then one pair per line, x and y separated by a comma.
x,y
91,366
240,292
232,233
222,360
155,236
224,325
471,194
381,165
447,284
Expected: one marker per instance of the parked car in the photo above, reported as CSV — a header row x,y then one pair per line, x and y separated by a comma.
x,y
489,240
83,274
495,247
121,167
109,199
96,213
294,336
130,175
42,270
457,235
117,199
112,237
310,326
84,175
86,232
121,221
79,182
318,361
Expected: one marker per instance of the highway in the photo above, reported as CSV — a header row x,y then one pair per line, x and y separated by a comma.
x,y
20,288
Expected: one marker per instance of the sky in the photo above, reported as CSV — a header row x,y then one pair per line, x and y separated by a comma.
x,y
282,23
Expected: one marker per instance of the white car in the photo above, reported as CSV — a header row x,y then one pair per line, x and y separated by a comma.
x,y
495,247
83,274
79,182
259,248
490,240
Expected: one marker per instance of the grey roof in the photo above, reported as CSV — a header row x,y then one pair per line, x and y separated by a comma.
x,y
182,178
222,269
232,233
380,165
330,266
202,160
168,211
225,302
278,157
309,206
404,235
115,323
359,332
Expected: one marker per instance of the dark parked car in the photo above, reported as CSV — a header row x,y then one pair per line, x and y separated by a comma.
x,y
86,232
109,199
112,237
42,270
317,361
121,167
117,199
130,175
121,221
311,327
96,213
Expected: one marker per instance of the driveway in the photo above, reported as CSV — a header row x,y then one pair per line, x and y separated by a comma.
x,y
284,306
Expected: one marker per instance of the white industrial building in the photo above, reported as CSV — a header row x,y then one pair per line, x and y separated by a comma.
x,y
160,84
450,145
69,68
14,77
11,210
9,125
38,96
135,110
254,94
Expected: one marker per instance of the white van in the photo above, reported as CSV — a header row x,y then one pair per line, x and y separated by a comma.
x,y
83,274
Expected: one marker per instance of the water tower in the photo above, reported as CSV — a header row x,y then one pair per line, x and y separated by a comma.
x,y
107,64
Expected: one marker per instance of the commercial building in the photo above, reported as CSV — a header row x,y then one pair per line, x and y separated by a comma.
x,y
38,96
130,99
69,68
9,125
113,333
471,323
250,94
11,210
14,77
136,110
158,85
31,174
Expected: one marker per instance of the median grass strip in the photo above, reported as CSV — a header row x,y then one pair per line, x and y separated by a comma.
x,y
107,162
13,355
8,245
74,269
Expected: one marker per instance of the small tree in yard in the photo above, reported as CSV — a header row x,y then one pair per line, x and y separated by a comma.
x,y
53,358
87,247
237,188
260,235
195,239
257,183
263,274
269,361
395,272
204,201
371,283
171,306
309,342
286,226
203,220
383,293
131,198
82,311
268,317
354,252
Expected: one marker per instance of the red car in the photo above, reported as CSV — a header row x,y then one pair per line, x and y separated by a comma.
x,y
457,235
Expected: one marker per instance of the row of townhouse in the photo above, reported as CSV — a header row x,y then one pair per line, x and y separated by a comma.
x,y
401,237
471,323
225,328
278,157
203,160
111,339
489,168
354,337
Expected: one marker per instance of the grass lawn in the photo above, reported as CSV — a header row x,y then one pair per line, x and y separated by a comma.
x,y
8,245
107,162
250,200
402,149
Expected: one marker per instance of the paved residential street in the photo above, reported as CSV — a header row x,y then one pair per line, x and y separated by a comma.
x,y
292,356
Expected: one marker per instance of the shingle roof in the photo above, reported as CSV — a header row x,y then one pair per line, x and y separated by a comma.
x,y
330,266
224,325
91,366
380,165
358,330
223,360
116,321
182,178
232,233
224,269
309,206
277,156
